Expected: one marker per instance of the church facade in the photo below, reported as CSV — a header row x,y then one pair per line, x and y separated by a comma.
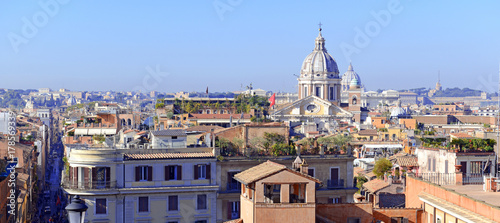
x,y
320,90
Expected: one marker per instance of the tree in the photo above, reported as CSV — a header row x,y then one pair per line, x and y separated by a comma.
x,y
360,180
382,166
170,115
159,105
342,140
257,142
238,143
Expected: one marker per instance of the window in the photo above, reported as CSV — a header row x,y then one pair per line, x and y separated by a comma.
x,y
429,164
446,166
476,167
143,204
353,220
201,221
434,165
202,171
335,200
143,173
173,172
297,193
101,177
173,203
331,93
201,202
272,193
100,206
310,172
318,91
305,91
174,137
233,210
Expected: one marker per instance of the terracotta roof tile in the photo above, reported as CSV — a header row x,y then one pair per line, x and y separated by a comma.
x,y
407,161
220,116
461,135
266,169
368,132
258,172
239,220
152,156
375,185
203,128
169,132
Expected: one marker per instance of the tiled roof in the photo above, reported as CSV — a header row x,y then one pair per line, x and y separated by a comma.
x,y
461,135
368,132
258,172
220,116
169,132
266,169
203,128
127,131
375,185
153,156
407,161
239,220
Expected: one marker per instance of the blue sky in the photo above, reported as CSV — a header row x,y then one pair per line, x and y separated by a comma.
x,y
226,44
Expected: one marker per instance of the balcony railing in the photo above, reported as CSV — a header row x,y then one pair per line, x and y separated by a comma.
x,y
338,183
450,178
235,187
438,178
89,185
473,178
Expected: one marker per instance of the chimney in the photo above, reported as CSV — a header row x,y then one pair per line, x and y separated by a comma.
x,y
304,167
296,163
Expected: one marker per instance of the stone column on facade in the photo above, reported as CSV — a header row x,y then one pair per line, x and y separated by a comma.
x,y
300,91
285,193
325,92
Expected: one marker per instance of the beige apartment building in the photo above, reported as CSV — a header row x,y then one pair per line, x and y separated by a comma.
x,y
143,185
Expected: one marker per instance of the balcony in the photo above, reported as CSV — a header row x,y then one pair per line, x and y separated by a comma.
x,y
233,187
89,185
333,184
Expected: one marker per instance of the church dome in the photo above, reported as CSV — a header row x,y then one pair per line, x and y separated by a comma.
x,y
319,63
354,83
348,77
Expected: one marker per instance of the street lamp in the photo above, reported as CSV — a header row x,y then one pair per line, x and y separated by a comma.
x,y
76,210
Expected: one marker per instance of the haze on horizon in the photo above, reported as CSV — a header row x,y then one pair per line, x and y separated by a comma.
x,y
228,44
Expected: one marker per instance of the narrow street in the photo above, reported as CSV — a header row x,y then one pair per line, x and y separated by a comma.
x,y
54,166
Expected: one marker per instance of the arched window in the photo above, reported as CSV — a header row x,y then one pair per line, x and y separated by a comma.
x,y
354,100
129,122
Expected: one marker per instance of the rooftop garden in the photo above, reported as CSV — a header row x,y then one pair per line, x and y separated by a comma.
x,y
460,145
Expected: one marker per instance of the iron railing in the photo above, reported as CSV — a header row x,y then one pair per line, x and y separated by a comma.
x,y
233,187
450,178
89,185
337,183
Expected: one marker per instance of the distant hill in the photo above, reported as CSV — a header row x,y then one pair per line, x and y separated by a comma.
x,y
457,92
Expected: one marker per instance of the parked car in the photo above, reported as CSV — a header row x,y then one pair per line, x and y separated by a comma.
x,y
46,210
